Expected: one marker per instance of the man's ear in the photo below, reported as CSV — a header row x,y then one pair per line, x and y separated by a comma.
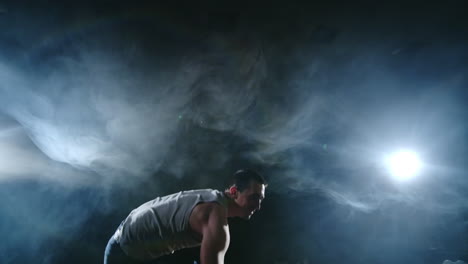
x,y
233,191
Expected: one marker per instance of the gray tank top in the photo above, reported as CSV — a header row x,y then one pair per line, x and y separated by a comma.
x,y
161,226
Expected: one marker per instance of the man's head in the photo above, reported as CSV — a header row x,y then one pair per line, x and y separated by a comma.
x,y
247,192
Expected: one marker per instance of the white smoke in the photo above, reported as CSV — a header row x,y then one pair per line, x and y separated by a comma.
x,y
19,160
453,262
98,115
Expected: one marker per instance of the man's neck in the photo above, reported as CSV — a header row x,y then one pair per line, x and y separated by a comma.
x,y
232,207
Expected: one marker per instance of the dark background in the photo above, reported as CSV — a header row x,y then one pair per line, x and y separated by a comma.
x,y
105,105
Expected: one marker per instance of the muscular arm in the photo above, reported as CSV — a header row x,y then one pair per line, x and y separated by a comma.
x,y
215,240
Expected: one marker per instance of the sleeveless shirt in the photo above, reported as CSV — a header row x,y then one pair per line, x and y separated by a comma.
x,y
161,226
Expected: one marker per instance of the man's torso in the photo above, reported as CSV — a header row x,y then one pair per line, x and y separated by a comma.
x,y
162,226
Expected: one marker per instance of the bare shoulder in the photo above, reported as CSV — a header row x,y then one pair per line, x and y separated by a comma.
x,y
203,213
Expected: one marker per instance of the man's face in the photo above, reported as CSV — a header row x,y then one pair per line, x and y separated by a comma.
x,y
250,199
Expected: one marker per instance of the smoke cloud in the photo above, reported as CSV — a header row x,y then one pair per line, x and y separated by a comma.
x,y
135,100
119,114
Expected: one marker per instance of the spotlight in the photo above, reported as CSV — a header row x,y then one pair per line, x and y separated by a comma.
x,y
403,164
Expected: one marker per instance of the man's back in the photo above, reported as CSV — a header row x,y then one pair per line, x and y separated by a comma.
x,y
161,226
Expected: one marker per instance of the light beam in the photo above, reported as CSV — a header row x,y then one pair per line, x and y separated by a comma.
x,y
403,164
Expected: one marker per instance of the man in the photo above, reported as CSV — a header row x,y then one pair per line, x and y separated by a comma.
x,y
186,219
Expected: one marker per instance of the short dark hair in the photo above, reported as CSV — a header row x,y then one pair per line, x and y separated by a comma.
x,y
242,179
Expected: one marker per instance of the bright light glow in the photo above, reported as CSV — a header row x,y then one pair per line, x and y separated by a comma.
x,y
404,164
